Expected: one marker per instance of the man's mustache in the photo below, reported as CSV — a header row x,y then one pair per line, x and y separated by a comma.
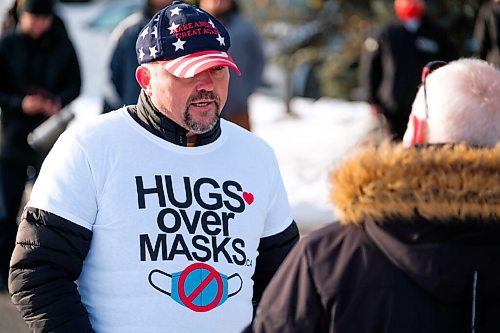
x,y
204,95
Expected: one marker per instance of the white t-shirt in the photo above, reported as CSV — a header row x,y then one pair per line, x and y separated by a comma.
x,y
175,229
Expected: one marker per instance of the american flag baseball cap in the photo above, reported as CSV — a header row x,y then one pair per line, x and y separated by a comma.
x,y
186,40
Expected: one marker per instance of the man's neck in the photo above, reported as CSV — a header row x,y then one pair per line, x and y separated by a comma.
x,y
149,117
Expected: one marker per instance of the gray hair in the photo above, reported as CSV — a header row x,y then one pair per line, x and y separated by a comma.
x,y
463,98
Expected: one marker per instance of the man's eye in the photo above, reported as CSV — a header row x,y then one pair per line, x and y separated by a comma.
x,y
217,68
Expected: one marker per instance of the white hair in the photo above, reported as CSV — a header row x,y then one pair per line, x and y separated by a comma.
x,y
463,101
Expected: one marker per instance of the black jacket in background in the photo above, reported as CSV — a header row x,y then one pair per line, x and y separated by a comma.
x,y
49,64
121,87
391,66
417,249
487,32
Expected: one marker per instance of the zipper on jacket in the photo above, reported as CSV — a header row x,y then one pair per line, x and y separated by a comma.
x,y
474,302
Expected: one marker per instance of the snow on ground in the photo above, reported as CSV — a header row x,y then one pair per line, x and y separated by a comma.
x,y
308,144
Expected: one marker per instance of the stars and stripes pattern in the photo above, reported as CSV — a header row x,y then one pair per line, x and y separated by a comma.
x,y
186,39
190,65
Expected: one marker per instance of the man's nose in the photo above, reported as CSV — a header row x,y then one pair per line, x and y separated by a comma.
x,y
204,81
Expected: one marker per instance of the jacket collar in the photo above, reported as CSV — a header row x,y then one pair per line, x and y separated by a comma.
x,y
149,117
438,183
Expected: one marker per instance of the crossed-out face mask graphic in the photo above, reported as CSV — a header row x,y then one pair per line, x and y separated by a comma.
x,y
199,286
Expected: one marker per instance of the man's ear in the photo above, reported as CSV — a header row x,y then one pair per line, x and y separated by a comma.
x,y
143,75
416,133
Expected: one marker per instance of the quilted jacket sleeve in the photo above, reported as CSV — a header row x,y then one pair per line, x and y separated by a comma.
x,y
272,251
47,259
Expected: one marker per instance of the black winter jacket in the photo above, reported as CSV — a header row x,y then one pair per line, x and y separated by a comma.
x,y
417,249
392,61
48,64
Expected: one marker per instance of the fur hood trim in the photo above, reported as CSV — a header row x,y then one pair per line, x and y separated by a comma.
x,y
443,183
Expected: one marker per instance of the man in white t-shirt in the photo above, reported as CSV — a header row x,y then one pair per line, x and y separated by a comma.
x,y
160,216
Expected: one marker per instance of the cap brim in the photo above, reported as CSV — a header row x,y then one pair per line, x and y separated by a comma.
x,y
192,64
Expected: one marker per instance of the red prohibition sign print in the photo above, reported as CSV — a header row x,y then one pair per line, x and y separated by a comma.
x,y
188,300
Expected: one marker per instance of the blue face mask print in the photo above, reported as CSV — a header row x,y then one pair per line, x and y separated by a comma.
x,y
199,286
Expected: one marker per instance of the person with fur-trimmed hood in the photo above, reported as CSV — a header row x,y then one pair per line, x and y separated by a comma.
x,y
417,246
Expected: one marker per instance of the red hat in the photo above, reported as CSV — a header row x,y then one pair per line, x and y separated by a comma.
x,y
409,9
185,40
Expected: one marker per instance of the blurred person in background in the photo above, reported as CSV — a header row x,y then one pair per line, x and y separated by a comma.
x,y
10,18
247,51
121,89
487,32
40,74
416,247
391,62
